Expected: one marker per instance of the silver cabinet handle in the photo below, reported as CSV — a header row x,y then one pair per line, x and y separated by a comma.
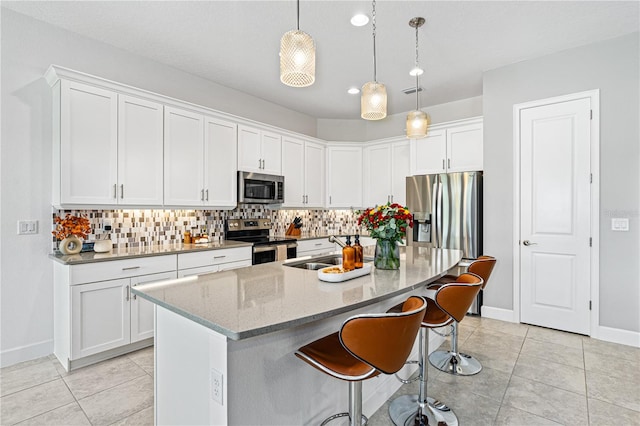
x,y
443,164
392,198
121,190
528,243
219,257
206,195
202,195
318,244
115,190
329,199
127,293
134,296
449,162
130,268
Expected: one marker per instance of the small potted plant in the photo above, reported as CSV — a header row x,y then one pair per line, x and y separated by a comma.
x,y
69,231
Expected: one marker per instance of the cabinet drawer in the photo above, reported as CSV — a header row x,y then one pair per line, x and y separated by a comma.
x,y
213,257
102,271
322,244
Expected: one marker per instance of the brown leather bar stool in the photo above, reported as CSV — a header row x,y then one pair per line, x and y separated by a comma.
x,y
452,361
450,304
365,346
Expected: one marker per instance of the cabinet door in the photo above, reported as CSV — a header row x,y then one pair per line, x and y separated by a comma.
x,y
377,175
249,150
220,153
293,171
88,144
142,310
99,317
271,153
399,171
428,155
140,139
183,162
464,148
344,177
314,174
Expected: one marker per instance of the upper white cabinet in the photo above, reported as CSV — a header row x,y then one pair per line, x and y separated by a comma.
x,y
199,160
140,136
449,147
107,147
259,151
85,144
386,166
303,170
344,177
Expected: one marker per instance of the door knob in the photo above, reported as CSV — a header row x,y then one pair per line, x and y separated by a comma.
x,y
528,243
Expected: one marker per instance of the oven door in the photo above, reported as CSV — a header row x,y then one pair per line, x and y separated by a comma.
x,y
264,254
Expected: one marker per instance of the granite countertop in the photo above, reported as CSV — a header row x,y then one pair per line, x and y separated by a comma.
x,y
260,299
145,251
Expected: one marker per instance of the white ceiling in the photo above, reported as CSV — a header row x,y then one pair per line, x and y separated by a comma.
x,y
236,43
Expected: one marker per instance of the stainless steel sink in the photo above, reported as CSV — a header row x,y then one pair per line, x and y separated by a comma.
x,y
316,263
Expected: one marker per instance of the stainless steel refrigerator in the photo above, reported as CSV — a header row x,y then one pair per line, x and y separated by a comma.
x,y
447,213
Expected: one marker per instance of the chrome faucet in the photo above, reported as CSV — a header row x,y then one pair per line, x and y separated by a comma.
x,y
334,239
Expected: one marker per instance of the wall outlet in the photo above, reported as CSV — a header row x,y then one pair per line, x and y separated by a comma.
x,y
216,386
620,224
106,224
27,227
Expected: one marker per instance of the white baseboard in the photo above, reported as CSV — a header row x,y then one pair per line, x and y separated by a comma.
x,y
26,353
498,314
617,335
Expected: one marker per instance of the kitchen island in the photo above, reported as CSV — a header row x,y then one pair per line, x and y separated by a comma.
x,y
225,341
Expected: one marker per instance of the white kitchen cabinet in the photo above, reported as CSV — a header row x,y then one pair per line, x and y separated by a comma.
x,y
107,148
85,147
95,315
344,177
449,147
205,262
199,157
140,139
303,171
386,166
259,151
315,247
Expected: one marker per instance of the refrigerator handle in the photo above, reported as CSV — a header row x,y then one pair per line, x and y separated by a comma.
x,y
435,221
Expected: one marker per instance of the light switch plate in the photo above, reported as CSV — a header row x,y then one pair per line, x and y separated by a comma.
x,y
27,227
620,224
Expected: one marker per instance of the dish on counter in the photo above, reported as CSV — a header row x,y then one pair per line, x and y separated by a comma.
x,y
335,274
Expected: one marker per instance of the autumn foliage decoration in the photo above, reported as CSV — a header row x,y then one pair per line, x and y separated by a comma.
x,y
71,225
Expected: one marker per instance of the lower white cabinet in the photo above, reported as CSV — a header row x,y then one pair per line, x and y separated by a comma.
x,y
95,314
206,262
315,247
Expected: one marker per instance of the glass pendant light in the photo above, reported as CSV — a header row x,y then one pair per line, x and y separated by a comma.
x,y
373,103
297,57
417,121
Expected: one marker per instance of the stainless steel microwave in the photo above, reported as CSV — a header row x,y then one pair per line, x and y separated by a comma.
x,y
260,188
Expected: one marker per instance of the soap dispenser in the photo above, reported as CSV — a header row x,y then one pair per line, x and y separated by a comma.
x,y
348,256
358,253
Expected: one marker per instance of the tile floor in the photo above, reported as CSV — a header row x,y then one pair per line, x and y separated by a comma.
x,y
531,376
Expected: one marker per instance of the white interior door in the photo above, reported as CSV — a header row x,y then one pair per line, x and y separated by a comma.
x,y
555,144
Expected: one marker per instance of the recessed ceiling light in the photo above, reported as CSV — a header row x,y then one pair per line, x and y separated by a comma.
x,y
353,91
359,20
416,71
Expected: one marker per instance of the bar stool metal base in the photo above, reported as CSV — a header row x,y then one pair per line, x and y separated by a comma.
x,y
458,365
404,411
336,416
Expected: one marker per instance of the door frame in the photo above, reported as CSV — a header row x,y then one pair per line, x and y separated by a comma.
x,y
594,96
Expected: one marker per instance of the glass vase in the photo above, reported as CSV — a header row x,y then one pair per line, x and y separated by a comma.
x,y
387,254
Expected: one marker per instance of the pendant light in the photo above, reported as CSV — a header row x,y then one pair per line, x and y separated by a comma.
x,y
373,103
297,56
417,121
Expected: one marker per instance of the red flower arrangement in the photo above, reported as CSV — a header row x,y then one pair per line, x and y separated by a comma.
x,y
71,225
388,221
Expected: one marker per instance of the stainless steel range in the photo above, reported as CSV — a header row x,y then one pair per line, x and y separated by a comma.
x,y
265,248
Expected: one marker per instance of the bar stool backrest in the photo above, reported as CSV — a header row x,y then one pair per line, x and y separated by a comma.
x,y
455,298
384,341
483,267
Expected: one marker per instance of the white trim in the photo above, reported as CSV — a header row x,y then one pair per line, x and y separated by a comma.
x,y
26,353
617,335
498,314
594,96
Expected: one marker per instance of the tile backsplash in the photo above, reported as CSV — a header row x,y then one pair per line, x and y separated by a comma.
x,y
132,228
